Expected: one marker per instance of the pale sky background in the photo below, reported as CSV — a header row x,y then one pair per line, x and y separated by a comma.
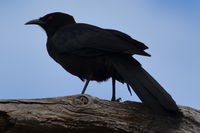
x,y
171,30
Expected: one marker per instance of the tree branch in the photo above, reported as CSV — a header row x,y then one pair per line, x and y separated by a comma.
x,y
84,113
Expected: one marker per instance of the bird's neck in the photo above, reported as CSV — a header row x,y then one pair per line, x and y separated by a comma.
x,y
50,31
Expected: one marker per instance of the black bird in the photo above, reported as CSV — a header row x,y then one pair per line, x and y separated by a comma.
x,y
93,53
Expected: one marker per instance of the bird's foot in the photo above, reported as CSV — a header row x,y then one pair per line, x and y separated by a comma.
x,y
117,100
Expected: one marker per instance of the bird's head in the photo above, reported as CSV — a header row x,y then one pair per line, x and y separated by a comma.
x,y
52,22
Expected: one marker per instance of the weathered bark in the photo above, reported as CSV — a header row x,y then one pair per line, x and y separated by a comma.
x,y
84,113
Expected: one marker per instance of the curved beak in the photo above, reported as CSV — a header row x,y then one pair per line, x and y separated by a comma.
x,y
35,21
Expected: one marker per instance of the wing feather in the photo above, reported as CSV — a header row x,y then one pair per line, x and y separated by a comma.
x,y
88,40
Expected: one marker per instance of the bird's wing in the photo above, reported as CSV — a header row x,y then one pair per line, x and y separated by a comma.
x,y
126,37
88,40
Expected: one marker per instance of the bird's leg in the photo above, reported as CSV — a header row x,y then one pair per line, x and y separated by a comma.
x,y
113,90
85,86
129,89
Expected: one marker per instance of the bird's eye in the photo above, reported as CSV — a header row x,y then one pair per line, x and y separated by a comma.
x,y
50,18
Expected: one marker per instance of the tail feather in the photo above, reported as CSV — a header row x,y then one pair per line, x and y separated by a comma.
x,y
145,86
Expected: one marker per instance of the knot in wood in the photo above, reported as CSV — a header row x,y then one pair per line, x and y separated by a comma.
x,y
81,100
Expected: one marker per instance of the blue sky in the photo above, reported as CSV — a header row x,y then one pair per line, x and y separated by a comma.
x,y
170,28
